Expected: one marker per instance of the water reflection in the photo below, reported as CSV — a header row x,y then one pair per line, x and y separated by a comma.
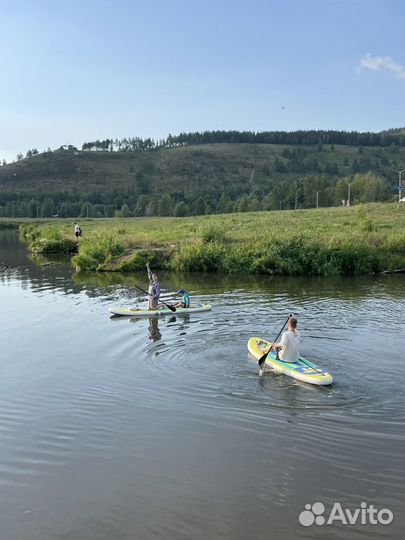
x,y
163,429
156,325
154,332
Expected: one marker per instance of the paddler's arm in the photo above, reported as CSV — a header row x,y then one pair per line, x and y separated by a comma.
x,y
148,269
273,346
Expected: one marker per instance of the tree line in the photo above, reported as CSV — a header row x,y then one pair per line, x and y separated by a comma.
x,y
299,137
390,137
305,192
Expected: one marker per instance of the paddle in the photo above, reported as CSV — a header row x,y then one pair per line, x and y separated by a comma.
x,y
312,367
167,305
262,359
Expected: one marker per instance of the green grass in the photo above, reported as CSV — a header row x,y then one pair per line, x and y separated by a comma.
x,y
330,241
48,239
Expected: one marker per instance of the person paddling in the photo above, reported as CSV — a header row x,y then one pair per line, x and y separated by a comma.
x,y
154,288
185,299
288,348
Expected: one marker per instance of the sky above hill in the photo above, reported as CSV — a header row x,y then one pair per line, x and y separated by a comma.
x,y
91,69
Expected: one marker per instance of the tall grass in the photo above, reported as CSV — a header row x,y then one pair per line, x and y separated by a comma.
x,y
333,241
44,240
96,250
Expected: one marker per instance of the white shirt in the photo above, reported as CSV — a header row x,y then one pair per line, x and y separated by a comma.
x,y
290,343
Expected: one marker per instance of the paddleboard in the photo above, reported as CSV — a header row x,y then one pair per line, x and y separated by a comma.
x,y
135,312
303,370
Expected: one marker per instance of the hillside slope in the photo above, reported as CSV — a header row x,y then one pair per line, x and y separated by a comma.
x,y
189,172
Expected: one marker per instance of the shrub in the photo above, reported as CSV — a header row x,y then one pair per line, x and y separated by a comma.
x,y
97,249
198,257
212,233
138,261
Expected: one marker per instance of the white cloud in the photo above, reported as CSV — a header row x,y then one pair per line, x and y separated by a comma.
x,y
376,63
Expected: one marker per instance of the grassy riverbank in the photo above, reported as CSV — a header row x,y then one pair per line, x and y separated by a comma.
x,y
327,241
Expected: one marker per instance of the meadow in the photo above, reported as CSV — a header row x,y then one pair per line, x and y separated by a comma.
x,y
360,239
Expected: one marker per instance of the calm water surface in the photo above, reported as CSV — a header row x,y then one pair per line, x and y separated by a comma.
x,y
162,429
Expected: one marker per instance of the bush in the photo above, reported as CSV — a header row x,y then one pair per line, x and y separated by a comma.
x,y
138,261
198,257
84,262
47,240
53,245
212,233
97,249
29,233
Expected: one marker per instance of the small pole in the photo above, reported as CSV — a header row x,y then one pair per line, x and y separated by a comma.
x,y
399,183
280,205
348,193
317,199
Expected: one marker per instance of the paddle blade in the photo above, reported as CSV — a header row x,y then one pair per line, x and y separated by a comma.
x,y
171,308
262,359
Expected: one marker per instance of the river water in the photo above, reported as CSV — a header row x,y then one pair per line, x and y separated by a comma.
x,y
162,429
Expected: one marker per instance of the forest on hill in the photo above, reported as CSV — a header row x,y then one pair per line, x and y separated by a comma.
x,y
203,173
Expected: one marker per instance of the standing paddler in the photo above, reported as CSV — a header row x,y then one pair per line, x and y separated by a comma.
x,y
154,288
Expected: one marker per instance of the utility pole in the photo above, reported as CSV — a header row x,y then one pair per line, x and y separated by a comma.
x,y
399,183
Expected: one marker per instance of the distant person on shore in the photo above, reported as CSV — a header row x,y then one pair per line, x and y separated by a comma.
x,y
78,231
288,348
154,288
185,299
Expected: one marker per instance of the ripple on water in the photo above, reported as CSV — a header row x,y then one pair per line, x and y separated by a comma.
x,y
157,415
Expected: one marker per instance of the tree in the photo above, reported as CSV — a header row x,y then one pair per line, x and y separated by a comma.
x,y
33,209
125,211
48,207
199,207
86,210
369,188
279,166
313,184
181,209
243,204
142,205
224,204
165,205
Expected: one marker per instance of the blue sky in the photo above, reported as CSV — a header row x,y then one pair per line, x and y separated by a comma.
x,y
81,70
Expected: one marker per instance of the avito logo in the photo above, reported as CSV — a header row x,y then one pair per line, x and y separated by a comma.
x,y
364,515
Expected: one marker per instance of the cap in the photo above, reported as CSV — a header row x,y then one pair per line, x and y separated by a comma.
x,y
180,291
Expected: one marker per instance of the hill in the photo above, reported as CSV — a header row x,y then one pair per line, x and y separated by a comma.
x,y
201,178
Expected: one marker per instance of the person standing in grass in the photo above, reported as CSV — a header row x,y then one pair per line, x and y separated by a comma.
x,y
154,288
77,230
